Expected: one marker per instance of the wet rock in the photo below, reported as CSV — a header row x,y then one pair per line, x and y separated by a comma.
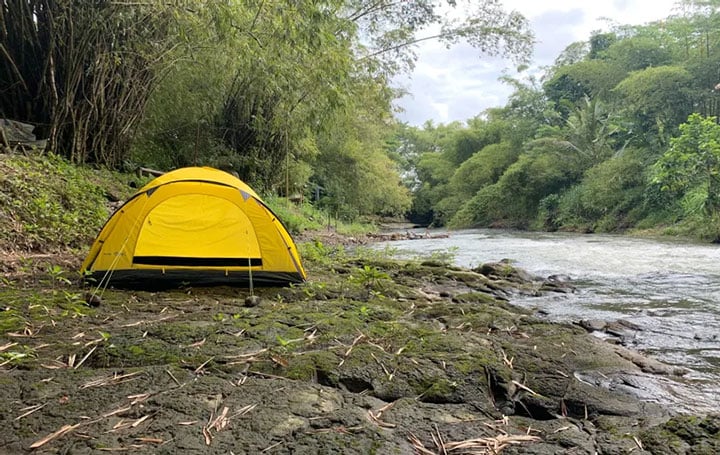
x,y
649,365
559,278
506,271
629,325
592,325
557,283
330,368
616,329
313,402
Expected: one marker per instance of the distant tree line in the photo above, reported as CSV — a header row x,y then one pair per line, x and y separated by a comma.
x,y
621,132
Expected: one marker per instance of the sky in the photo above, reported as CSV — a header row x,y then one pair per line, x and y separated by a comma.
x,y
460,83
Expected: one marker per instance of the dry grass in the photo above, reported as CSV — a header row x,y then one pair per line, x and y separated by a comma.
x,y
478,446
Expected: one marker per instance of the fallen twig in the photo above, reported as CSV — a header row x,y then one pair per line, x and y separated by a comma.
x,y
526,388
173,377
150,440
7,346
222,421
55,435
477,446
199,369
108,380
349,350
638,442
85,358
30,410
374,416
508,362
269,448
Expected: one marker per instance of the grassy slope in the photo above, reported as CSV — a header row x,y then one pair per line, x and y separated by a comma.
x,y
47,204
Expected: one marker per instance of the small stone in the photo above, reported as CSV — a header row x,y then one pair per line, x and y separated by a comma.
x,y
252,300
92,300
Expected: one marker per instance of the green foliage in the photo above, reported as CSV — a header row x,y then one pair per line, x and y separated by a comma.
x,y
528,110
47,203
84,70
691,167
600,42
370,277
316,251
486,208
57,274
18,356
483,168
657,99
637,53
171,135
545,169
296,218
445,257
590,131
297,97
610,197
356,174
468,141
570,84
300,217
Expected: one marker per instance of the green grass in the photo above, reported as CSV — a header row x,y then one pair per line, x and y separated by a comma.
x,y
46,203
298,218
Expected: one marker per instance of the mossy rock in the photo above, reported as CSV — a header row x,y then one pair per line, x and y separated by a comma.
x,y
182,333
685,435
440,390
475,297
139,352
316,366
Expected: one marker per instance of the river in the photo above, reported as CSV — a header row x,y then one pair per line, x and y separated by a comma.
x,y
669,288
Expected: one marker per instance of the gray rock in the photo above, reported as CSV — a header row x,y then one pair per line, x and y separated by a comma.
x,y
252,300
592,325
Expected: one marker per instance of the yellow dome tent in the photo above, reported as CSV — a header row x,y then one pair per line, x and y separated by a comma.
x,y
197,225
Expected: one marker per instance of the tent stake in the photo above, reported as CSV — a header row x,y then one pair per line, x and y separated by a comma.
x,y
250,275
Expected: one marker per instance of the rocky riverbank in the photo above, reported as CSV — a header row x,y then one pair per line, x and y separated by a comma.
x,y
370,356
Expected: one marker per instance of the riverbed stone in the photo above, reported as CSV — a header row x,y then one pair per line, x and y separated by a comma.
x,y
592,325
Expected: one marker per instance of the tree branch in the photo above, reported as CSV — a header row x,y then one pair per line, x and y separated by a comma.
x,y
402,45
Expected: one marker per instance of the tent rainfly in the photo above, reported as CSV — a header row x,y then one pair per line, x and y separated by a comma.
x,y
194,225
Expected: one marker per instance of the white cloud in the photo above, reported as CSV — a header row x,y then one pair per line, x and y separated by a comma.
x,y
460,83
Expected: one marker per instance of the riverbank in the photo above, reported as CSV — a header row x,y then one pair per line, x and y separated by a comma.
x,y
371,355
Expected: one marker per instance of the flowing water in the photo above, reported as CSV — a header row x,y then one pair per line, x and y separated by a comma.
x,y
669,288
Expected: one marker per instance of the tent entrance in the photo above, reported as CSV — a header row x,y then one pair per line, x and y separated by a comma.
x,y
197,230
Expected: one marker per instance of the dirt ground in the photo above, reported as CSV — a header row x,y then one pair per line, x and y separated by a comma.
x,y
370,356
